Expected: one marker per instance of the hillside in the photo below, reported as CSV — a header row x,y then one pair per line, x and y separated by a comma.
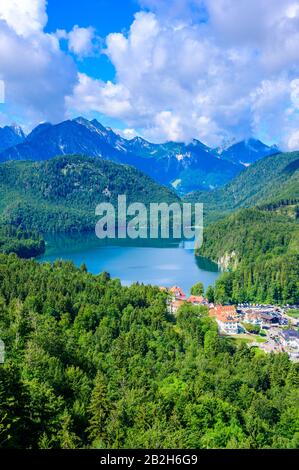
x,y
25,244
92,364
258,244
183,166
61,194
261,250
272,179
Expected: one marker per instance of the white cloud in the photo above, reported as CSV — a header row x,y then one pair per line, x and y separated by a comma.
x,y
275,110
81,40
293,141
37,74
226,69
292,10
170,125
103,97
207,69
127,133
25,17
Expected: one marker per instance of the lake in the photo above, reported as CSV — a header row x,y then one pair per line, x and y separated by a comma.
x,y
157,262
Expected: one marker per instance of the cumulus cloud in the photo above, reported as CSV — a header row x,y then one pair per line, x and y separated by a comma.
x,y
213,70
225,69
104,97
25,17
178,10
82,42
37,74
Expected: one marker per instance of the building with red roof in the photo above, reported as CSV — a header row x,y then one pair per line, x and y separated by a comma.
x,y
177,293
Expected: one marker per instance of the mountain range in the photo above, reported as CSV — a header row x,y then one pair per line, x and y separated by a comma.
x,y
10,136
60,194
184,166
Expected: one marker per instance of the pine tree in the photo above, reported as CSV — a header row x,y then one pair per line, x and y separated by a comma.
x,y
197,289
98,409
67,438
210,294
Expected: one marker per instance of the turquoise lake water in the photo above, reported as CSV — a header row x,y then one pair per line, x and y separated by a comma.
x,y
158,262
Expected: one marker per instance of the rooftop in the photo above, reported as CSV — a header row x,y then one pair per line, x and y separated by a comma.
x,y
221,309
226,318
196,298
177,291
224,313
290,334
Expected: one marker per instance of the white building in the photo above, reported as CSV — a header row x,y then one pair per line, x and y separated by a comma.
x,y
229,325
290,339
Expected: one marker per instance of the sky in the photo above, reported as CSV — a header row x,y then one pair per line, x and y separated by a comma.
x,y
218,71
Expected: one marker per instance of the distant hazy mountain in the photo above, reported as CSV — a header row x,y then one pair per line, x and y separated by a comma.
x,y
247,151
270,180
10,136
185,167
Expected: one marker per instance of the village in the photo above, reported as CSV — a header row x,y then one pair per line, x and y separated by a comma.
x,y
269,328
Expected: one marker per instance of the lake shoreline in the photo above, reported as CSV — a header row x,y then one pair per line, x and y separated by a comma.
x,y
156,262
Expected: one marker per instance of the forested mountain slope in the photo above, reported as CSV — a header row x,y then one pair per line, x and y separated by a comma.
x,y
261,250
92,364
26,244
61,194
272,179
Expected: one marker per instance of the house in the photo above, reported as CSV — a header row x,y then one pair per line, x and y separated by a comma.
x,y
226,317
177,293
269,318
290,339
228,324
197,300
253,318
175,305
222,309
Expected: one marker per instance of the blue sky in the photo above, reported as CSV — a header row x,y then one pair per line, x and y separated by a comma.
x,y
105,16
218,71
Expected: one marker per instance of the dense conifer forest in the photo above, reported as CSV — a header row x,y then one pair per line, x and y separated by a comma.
x,y
92,364
269,180
259,249
24,243
61,195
